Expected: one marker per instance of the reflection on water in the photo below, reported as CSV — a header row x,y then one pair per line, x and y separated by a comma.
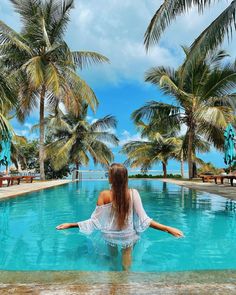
x,y
29,240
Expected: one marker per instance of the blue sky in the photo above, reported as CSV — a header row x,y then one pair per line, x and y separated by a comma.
x,y
115,28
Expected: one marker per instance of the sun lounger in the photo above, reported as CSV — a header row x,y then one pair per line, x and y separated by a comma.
x,y
16,179
230,177
218,178
28,178
206,178
3,178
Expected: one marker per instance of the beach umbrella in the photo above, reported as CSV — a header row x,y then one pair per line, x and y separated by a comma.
x,y
229,144
5,154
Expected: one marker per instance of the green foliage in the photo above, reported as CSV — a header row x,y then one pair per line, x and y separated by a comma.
x,y
145,154
51,173
155,176
204,103
29,151
29,160
74,140
209,167
39,58
41,63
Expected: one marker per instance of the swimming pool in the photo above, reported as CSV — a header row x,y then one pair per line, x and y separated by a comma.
x,y
29,240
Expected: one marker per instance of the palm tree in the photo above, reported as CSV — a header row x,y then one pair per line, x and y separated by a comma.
x,y
204,97
17,157
7,102
42,62
209,39
146,153
75,140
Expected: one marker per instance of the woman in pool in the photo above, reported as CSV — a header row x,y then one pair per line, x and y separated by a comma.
x,y
120,216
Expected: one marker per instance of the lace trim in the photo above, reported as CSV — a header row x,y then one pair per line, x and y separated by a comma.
x,y
143,225
122,245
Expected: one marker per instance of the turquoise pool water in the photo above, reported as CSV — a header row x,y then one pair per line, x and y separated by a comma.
x,y
29,240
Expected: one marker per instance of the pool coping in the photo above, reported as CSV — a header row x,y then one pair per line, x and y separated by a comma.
x,y
222,190
123,277
27,188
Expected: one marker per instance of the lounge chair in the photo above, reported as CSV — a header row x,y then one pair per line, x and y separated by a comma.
x,y
206,177
16,178
219,178
230,177
7,178
28,178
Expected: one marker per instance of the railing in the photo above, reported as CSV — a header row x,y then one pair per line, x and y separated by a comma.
x,y
37,175
103,174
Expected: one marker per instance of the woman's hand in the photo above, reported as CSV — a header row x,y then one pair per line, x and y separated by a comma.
x,y
175,232
64,226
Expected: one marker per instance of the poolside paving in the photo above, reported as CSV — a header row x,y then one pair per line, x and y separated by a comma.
x,y
225,190
23,188
120,289
111,283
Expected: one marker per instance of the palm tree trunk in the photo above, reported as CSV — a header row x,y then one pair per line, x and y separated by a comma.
x,y
41,137
182,164
190,154
164,168
194,170
77,170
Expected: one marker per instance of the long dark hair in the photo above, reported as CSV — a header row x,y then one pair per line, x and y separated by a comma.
x,y
118,177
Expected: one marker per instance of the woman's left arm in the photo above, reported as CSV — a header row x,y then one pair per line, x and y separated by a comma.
x,y
89,225
67,225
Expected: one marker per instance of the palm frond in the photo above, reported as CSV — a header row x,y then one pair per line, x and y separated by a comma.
x,y
104,123
213,35
9,36
57,14
84,59
106,137
167,12
220,82
161,116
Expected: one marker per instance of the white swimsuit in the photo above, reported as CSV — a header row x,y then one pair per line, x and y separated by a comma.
x,y
103,219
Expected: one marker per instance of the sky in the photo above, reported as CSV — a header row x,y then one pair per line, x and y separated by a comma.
x,y
115,29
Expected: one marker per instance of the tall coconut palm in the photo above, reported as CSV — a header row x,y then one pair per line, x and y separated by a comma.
x,y
204,97
75,140
42,62
209,39
146,153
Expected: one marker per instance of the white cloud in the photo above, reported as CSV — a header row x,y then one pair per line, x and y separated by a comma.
x,y
126,136
89,118
28,125
94,121
115,28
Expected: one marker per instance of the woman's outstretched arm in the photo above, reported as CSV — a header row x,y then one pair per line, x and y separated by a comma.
x,y
170,230
67,225
89,225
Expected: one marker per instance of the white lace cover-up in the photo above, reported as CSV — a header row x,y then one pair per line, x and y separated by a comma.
x,y
103,219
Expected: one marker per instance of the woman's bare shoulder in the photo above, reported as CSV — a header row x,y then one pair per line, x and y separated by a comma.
x,y
104,197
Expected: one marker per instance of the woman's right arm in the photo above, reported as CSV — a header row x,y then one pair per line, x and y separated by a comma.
x,y
146,221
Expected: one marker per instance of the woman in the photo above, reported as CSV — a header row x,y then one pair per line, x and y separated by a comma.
x,y
120,216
